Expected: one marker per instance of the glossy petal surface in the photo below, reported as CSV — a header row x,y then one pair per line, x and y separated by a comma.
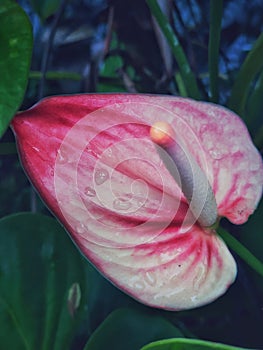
x,y
92,161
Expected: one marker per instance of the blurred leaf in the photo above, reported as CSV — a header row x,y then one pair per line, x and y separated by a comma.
x,y
178,52
55,75
45,8
110,85
247,73
109,78
180,85
130,329
187,344
258,139
7,148
38,267
255,106
216,11
251,232
111,65
15,57
165,49
251,235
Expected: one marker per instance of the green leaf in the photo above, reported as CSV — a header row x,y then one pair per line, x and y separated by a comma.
x,y
251,236
109,77
45,8
188,77
55,75
111,65
251,232
39,267
252,65
130,329
185,344
258,139
255,106
216,11
15,55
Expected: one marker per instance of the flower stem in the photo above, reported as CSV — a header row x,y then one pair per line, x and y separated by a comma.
x,y
177,50
241,250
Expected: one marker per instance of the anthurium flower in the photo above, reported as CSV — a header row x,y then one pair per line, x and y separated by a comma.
x,y
140,183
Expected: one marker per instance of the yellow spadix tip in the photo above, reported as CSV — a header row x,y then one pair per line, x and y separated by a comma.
x,y
162,133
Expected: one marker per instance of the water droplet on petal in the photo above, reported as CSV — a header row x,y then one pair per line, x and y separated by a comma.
x,y
139,285
121,204
109,152
90,192
216,154
254,166
36,149
101,175
193,299
80,228
199,277
61,157
150,278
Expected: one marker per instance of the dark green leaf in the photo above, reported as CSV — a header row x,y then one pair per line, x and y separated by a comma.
x,y
255,107
258,139
216,11
15,57
177,50
187,344
252,65
109,78
39,266
45,8
130,329
251,233
53,75
111,66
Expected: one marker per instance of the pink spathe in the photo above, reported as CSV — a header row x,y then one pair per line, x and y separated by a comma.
x,y
91,159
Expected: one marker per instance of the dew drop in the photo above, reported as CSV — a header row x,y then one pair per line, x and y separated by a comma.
x,y
193,299
80,228
36,149
109,152
101,175
61,157
90,192
150,278
216,154
121,204
254,166
139,285
199,277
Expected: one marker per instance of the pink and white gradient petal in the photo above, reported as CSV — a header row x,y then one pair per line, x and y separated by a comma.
x,y
92,161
